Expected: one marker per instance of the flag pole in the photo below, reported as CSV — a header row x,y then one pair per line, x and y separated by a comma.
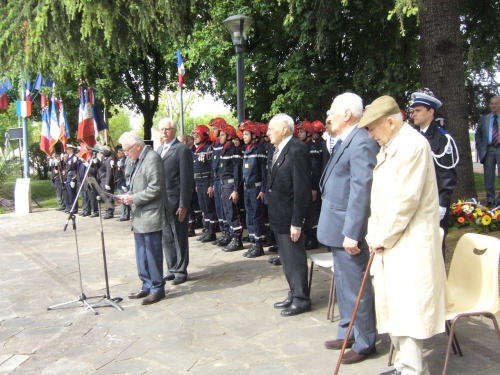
x,y
182,113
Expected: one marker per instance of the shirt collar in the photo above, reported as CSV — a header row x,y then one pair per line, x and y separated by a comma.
x,y
284,142
348,131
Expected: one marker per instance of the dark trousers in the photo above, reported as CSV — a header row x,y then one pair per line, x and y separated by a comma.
x,y
85,199
92,197
311,233
491,162
231,211
109,211
254,208
218,206
445,224
349,271
124,208
206,203
71,196
294,259
175,241
149,259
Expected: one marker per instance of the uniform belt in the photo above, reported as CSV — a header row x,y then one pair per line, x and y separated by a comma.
x,y
253,184
224,182
203,175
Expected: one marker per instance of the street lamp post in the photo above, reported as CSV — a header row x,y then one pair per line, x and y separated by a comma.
x,y
238,26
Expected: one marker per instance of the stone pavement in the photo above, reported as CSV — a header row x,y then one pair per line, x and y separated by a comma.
x,y
221,321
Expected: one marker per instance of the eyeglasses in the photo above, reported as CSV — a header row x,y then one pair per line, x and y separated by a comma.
x,y
168,129
128,149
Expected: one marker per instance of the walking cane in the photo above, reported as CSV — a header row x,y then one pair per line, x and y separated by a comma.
x,y
356,306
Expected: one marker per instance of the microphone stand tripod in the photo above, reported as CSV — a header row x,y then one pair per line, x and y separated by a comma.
x,y
107,301
71,216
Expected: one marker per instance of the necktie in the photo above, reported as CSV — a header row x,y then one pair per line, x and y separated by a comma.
x,y
275,156
164,151
337,145
494,136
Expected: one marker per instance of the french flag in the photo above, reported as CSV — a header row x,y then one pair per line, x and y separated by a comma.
x,y
180,68
54,125
86,132
45,135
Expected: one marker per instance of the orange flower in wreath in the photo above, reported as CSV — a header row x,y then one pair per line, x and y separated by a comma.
x,y
461,220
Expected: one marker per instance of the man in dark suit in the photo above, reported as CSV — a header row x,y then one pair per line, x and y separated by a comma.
x,y
179,177
488,147
149,215
290,209
345,186
107,178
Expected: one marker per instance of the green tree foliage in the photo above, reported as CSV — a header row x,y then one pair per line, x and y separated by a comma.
x,y
119,123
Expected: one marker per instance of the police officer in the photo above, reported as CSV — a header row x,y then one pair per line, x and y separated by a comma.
x,y
107,177
72,163
57,169
254,182
202,158
230,180
443,147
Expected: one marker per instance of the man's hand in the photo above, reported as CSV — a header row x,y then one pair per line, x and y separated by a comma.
x,y
210,191
351,248
261,196
124,198
315,194
234,197
376,249
181,212
295,233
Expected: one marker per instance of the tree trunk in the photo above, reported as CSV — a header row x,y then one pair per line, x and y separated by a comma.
x,y
442,70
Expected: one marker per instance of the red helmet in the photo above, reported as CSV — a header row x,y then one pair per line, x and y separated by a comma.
x,y
217,122
229,130
263,128
307,126
251,127
239,134
203,131
403,113
296,131
318,125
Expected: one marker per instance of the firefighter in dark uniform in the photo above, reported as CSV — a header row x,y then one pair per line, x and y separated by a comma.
x,y
202,158
254,182
57,168
443,147
107,177
71,175
94,164
230,172
215,188
306,131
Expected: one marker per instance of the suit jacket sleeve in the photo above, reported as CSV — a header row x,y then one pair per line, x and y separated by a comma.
x,y
301,177
152,171
362,163
186,169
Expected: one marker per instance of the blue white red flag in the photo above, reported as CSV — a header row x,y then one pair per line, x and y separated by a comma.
x,y
63,126
180,69
54,125
45,135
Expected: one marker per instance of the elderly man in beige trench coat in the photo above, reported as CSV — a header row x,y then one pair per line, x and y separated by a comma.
x,y
403,230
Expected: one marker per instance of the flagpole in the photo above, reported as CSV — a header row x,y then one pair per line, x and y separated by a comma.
x,y
25,141
182,113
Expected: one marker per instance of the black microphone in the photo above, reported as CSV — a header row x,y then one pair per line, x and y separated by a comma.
x,y
94,149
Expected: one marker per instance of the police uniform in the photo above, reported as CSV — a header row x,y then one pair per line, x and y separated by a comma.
x,y
230,172
94,164
58,180
202,158
107,177
71,173
445,155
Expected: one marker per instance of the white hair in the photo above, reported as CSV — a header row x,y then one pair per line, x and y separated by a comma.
x,y
286,119
131,138
164,121
351,102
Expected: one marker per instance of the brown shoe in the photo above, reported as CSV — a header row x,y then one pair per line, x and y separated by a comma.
x,y
141,294
153,298
337,344
352,357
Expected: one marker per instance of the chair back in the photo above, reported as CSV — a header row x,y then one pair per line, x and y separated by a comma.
x,y
473,276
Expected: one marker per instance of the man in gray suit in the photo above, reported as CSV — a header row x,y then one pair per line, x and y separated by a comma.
x,y
149,215
488,147
346,185
179,176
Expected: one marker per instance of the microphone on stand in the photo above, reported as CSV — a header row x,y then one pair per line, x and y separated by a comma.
x,y
94,149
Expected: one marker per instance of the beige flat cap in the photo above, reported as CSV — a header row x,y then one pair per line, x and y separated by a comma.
x,y
383,106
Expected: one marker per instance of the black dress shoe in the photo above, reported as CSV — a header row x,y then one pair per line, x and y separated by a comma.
x,y
108,217
141,294
294,310
153,298
283,304
179,280
273,249
392,372
272,259
191,233
85,215
169,276
94,215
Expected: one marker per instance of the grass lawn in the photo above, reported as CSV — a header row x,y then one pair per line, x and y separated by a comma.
x,y
41,192
479,181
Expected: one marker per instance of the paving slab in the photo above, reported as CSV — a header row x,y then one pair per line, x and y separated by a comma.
x,y
221,321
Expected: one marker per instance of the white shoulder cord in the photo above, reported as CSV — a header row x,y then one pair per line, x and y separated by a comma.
x,y
454,163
